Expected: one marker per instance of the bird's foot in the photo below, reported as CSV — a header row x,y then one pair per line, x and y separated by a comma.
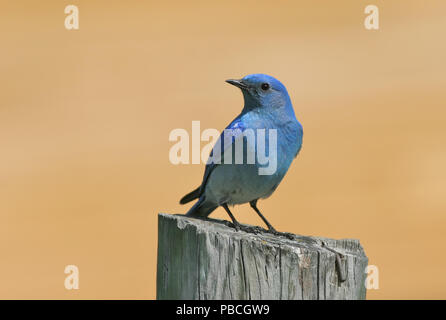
x,y
257,230
283,234
229,224
241,227
251,229
236,226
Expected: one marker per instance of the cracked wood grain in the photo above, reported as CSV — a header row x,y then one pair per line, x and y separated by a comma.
x,y
206,259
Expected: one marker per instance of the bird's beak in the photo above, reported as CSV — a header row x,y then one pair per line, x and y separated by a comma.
x,y
237,83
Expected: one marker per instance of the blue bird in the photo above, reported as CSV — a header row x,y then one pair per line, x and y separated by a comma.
x,y
228,182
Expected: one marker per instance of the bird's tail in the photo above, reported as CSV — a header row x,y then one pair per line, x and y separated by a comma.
x,y
201,209
190,196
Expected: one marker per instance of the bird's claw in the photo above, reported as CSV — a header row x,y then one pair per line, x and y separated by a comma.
x,y
247,229
288,235
252,229
258,230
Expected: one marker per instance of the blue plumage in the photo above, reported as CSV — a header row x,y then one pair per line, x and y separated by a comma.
x,y
226,181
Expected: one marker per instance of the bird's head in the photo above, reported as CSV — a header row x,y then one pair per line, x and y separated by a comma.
x,y
262,91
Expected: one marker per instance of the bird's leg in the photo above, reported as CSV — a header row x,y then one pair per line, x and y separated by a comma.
x,y
270,227
235,222
254,206
239,226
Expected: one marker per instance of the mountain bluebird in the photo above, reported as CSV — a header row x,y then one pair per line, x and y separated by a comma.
x,y
267,110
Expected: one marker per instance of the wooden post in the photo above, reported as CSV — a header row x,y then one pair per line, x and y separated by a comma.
x,y
206,259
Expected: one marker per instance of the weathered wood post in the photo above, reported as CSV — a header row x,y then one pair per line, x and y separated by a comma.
x,y
206,259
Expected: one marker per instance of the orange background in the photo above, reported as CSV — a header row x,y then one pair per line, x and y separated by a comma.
x,y
85,117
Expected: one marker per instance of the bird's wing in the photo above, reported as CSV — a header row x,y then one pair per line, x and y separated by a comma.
x,y
300,133
223,143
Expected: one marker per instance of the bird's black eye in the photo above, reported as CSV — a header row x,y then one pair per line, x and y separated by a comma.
x,y
265,86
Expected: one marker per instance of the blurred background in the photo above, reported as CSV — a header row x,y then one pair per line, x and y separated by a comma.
x,y
85,117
